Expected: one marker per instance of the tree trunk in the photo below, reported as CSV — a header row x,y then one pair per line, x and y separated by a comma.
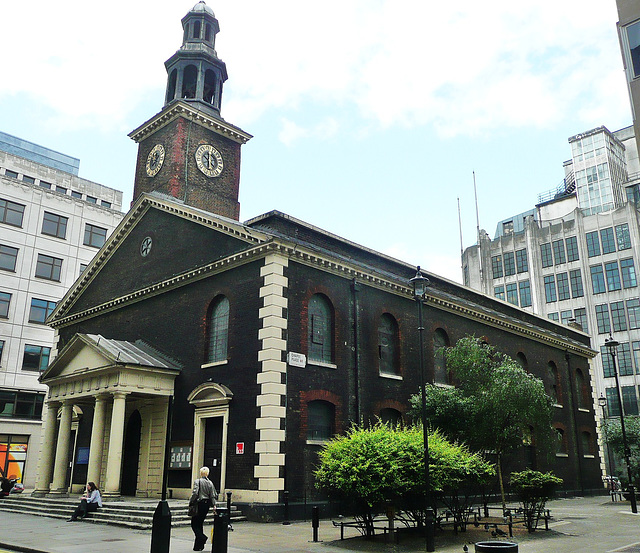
x,y
504,503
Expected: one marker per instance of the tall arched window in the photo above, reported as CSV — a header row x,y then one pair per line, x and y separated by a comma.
x,y
561,444
196,29
320,420
207,32
189,81
521,359
555,385
320,334
209,86
587,443
388,345
218,330
582,390
440,342
171,89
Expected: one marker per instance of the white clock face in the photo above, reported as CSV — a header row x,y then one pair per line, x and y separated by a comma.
x,y
155,159
145,246
209,160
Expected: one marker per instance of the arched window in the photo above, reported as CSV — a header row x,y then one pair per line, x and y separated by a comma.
x,y
587,443
390,416
440,342
189,81
320,420
196,29
171,89
209,86
320,335
561,444
207,32
555,385
218,330
186,33
582,390
521,359
388,345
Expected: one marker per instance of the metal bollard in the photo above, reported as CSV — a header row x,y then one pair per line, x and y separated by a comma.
x,y
220,531
315,521
161,529
286,522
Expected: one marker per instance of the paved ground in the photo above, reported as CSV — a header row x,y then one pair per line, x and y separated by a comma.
x,y
593,525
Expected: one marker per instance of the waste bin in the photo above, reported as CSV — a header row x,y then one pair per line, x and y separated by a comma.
x,y
221,530
496,547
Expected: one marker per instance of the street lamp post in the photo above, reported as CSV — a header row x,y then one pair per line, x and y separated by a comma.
x,y
612,346
602,402
419,284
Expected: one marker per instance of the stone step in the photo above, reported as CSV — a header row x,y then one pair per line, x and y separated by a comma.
x,y
136,514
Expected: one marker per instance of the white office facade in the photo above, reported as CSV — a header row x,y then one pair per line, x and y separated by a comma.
x,y
574,257
52,223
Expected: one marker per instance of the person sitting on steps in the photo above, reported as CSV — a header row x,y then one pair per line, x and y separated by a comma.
x,y
90,502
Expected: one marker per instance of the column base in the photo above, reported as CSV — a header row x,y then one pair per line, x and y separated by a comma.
x,y
39,492
58,493
110,495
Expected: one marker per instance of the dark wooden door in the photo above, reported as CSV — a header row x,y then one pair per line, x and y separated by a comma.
x,y
213,449
131,454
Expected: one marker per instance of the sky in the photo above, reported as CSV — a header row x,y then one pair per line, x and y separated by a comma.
x,y
369,117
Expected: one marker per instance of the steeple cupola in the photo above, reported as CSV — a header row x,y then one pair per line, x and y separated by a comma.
x,y
195,73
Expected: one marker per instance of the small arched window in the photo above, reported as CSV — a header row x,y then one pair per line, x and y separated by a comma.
x,y
218,330
189,81
196,29
555,385
209,86
320,420
207,32
521,359
440,342
582,390
320,334
171,89
390,416
587,443
388,345
561,444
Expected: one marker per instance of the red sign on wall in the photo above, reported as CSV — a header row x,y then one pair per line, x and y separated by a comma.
x,y
239,448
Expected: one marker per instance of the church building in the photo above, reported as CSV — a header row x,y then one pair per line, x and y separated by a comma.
x,y
246,346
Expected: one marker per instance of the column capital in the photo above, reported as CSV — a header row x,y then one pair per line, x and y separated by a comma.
x,y
120,394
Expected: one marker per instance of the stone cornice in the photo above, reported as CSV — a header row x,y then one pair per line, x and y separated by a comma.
x,y
344,270
189,111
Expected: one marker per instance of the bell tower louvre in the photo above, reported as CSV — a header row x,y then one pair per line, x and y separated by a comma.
x,y
187,150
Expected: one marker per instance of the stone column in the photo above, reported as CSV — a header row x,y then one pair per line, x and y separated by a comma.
x,y
62,450
49,430
97,440
116,439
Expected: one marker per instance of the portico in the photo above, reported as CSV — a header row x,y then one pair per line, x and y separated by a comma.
x,y
118,382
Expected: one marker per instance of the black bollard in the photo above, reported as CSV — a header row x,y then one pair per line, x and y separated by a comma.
x,y
220,531
161,528
286,522
315,521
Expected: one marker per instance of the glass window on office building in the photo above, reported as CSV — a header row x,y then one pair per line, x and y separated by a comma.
x,y
633,311
625,365
563,286
613,402
602,319
572,249
629,400
597,279
509,264
628,271
631,42
622,236
512,293
565,316
558,252
545,255
525,293
607,240
8,258
607,363
496,266
550,288
580,316
553,316
613,276
575,278
498,292
36,358
522,264
11,213
5,301
635,353
618,317
593,244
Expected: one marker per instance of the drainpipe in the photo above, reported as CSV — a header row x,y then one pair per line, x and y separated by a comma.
x,y
355,288
576,432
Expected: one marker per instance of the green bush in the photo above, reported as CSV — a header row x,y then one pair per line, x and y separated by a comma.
x,y
534,489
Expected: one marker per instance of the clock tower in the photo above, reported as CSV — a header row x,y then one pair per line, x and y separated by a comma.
x,y
188,150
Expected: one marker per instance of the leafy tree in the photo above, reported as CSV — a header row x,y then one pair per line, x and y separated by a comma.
x,y
613,437
370,467
496,407
534,489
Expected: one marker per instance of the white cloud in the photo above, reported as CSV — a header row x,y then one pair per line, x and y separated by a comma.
x,y
466,67
292,132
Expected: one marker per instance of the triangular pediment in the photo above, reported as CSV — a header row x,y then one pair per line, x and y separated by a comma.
x,y
159,239
80,356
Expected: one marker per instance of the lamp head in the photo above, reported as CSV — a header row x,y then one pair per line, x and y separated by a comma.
x,y
419,284
602,401
611,344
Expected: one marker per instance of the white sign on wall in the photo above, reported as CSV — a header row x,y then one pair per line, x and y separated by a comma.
x,y
297,359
